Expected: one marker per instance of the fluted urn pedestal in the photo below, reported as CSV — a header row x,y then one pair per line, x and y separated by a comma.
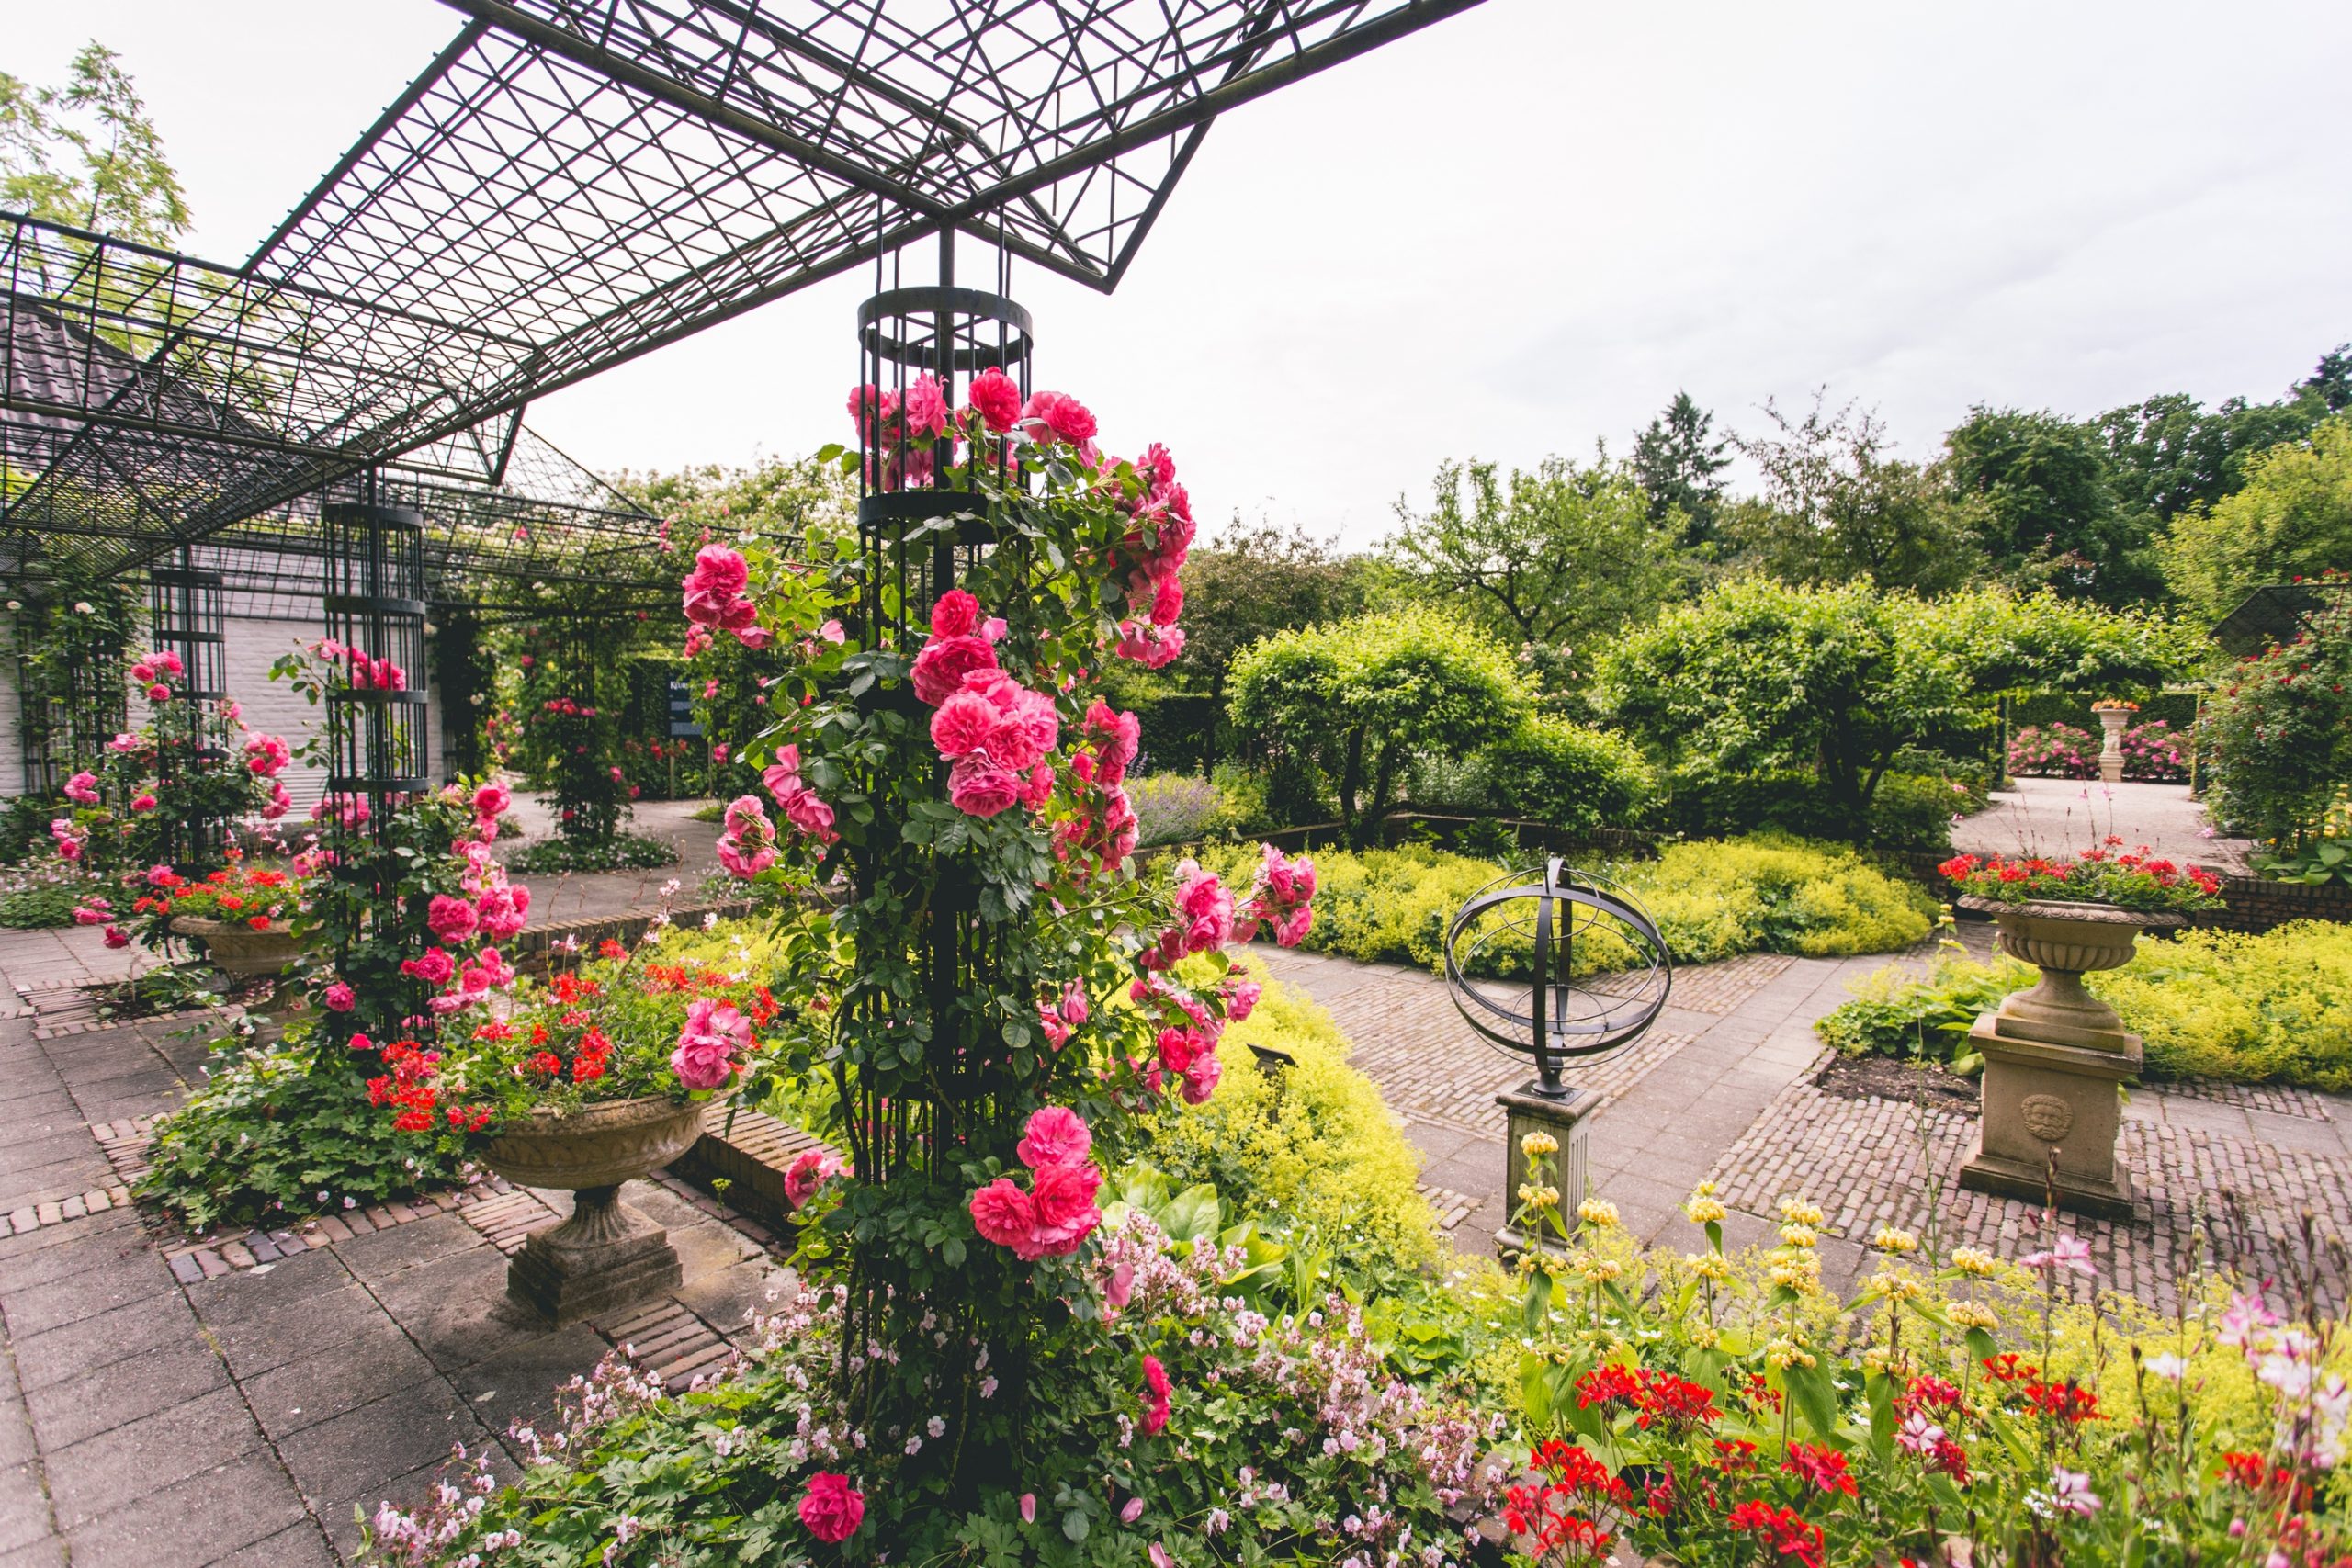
x,y
2111,751
2054,1055
606,1256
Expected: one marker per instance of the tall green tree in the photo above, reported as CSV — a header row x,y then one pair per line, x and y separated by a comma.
x,y
88,155
1251,583
2170,455
2045,505
1354,703
2291,519
1678,460
1554,561
1838,506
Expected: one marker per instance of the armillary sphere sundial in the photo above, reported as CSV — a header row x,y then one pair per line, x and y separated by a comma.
x,y
1567,919
1598,975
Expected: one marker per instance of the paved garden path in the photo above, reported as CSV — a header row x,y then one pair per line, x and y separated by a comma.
x,y
2057,817
1732,1084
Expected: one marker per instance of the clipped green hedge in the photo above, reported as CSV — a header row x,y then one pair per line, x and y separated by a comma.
x,y
1568,776
1312,1144
1711,900
2273,1008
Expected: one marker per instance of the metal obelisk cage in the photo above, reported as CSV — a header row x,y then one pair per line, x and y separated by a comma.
x,y
184,605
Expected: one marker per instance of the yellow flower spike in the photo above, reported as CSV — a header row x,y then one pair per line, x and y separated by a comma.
x,y
1972,1315
1702,1210
1797,1211
1598,1212
1709,1266
1891,1239
1538,1145
1974,1260
1799,1237
1784,1353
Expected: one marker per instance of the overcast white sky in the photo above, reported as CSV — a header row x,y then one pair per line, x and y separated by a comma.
x,y
1516,233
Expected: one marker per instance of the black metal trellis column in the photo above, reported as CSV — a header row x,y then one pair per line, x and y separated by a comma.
x,y
377,721
185,605
923,524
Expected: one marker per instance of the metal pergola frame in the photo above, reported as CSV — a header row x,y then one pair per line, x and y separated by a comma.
x,y
571,184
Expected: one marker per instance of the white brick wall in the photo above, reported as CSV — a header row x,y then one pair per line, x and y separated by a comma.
x,y
12,750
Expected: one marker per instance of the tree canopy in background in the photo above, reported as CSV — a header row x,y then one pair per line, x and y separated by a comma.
x,y
1679,461
87,155
1352,704
2291,519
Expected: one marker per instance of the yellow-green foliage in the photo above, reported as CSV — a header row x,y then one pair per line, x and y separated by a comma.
x,y
1313,1144
1711,900
2217,1003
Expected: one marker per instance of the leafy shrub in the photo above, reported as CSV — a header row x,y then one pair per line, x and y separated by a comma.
x,y
1568,776
273,1137
37,899
1711,900
23,826
1174,808
1241,796
2275,1007
1909,811
622,851
1912,811
2278,737
1309,1146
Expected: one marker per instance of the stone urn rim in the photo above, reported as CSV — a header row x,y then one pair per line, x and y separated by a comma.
x,y
197,926
2076,910
600,1143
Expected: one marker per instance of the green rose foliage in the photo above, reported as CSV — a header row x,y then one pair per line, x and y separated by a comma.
x,y
2277,739
1354,703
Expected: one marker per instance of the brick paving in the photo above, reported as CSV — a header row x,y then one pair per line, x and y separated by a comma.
x,y
2209,1181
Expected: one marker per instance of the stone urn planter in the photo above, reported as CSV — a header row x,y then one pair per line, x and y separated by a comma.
x,y
237,950
2053,1056
2111,751
607,1256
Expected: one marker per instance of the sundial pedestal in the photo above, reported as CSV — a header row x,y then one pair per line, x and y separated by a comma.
x,y
1528,1109
2043,1101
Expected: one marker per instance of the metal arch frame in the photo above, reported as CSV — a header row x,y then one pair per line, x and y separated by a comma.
x,y
572,184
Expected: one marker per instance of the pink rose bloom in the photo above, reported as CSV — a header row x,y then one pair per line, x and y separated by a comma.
x,y
159,877
1156,1388
142,672
1156,467
114,936
1074,1004
720,573
1200,1079
142,801
1063,1197
493,967
1001,1213
1242,1000
954,614
1055,1134
125,743
1168,603
1131,1511
1062,418
993,630
503,908
159,693
339,997
811,817
169,662
979,788
701,1062
926,407
963,725
360,1043
90,914
1178,1047
741,863
830,1509
864,401
939,668
83,788
1039,787
808,1173
1292,930
451,919
434,968
1027,729
492,799
997,400
1120,1288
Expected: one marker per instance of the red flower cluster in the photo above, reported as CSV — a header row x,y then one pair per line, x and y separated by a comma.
x,y
1549,1512
1823,1466
408,1087
2069,1401
1652,1396
1788,1534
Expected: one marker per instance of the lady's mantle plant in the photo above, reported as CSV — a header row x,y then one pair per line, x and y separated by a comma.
x,y
1009,992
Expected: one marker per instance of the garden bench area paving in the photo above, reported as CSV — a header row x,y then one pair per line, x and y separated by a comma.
x,y
154,1412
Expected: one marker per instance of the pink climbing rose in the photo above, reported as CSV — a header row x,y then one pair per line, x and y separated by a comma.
x,y
1055,1134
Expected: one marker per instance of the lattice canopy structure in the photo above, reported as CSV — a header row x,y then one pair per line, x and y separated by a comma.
x,y
573,182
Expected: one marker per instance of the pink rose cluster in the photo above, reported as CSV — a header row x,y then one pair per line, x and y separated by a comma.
x,y
366,672
1057,1212
717,1036
800,805
715,601
82,789
1060,1018
747,847
463,966
899,432
1281,899
156,671
1102,832
998,734
1156,547
69,837
1204,921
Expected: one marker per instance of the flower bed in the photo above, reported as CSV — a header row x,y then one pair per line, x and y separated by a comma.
x,y
2273,1008
2152,753
2105,874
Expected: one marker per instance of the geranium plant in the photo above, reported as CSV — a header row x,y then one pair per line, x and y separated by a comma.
x,y
2104,874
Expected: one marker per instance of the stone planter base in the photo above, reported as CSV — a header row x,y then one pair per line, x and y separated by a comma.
x,y
2042,1099
1563,1116
604,1258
